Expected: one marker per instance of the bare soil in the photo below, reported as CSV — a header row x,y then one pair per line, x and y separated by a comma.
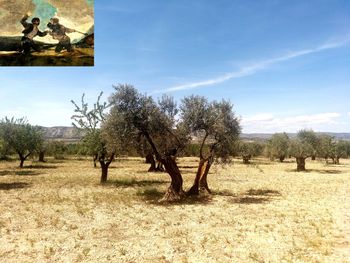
x,y
262,212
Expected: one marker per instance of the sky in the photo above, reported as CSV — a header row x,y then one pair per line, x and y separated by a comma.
x,y
285,65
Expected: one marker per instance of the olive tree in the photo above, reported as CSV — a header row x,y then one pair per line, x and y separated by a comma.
x,y
89,121
248,150
278,146
310,137
303,147
145,151
326,146
155,122
21,137
57,149
215,125
3,149
340,149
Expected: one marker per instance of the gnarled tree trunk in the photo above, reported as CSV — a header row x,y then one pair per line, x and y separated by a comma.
x,y
150,159
246,159
282,158
22,158
175,191
104,167
203,182
160,167
200,181
156,166
194,190
300,164
336,160
95,157
21,162
42,156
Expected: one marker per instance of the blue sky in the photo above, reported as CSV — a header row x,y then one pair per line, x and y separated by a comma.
x,y
285,65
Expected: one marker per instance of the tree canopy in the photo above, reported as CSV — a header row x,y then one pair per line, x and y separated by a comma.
x,y
278,146
20,136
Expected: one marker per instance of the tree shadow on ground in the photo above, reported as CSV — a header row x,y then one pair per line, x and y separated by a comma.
x,y
336,165
5,172
151,194
257,162
19,172
256,196
188,166
26,173
146,172
154,196
264,192
41,166
133,182
250,200
224,193
56,161
321,171
327,171
9,186
284,161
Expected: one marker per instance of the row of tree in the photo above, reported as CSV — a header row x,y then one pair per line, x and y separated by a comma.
x,y
307,144
19,137
131,122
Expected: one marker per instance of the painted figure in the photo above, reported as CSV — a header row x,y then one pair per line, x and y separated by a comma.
x,y
58,32
30,31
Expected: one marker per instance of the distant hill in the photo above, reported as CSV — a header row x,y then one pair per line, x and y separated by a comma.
x,y
61,133
266,136
70,134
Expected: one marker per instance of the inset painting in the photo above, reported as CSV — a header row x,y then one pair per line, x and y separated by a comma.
x,y
46,33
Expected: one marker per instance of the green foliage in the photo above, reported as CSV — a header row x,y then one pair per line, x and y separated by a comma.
x,y
193,149
213,124
249,149
141,118
309,137
20,136
3,149
326,146
89,121
57,149
340,149
299,149
278,145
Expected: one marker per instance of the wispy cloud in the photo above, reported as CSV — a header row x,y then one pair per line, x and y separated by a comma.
x,y
265,122
260,65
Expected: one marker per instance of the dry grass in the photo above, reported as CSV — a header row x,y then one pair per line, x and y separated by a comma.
x,y
263,212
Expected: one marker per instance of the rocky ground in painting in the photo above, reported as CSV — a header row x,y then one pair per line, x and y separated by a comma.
x,y
48,57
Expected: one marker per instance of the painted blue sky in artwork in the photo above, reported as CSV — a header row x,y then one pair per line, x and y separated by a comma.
x,y
90,2
44,10
284,64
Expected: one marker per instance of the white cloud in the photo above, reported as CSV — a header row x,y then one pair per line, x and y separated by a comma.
x,y
268,123
42,113
255,67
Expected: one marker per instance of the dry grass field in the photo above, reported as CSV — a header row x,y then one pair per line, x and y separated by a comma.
x,y
263,212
